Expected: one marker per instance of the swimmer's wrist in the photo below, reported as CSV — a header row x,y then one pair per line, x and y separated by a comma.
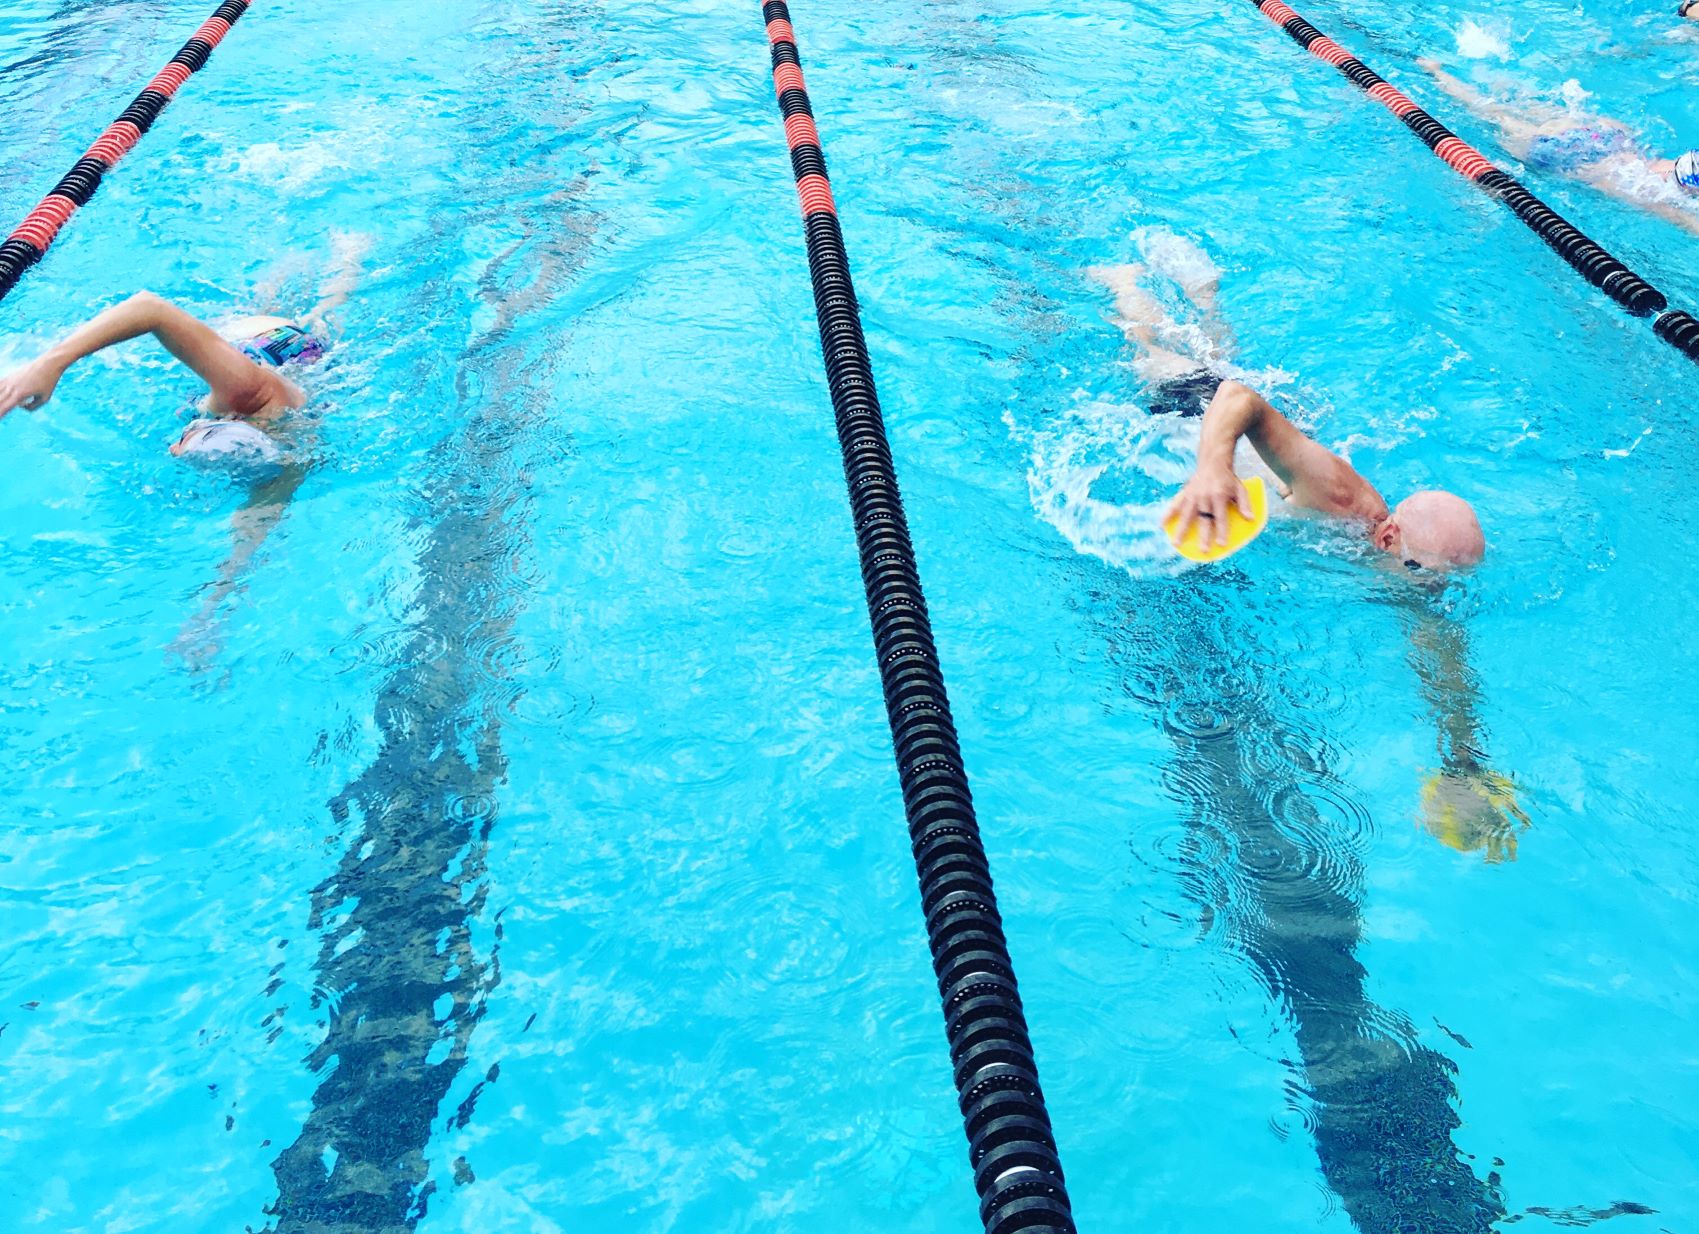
x,y
1213,460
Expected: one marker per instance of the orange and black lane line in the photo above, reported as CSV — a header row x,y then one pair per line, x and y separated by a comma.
x,y
31,239
1011,1146
1587,258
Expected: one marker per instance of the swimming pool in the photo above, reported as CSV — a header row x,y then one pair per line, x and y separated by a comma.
x,y
519,848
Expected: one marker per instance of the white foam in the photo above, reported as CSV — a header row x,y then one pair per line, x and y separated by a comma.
x,y
1070,455
1179,257
1632,447
1574,95
1478,41
1638,180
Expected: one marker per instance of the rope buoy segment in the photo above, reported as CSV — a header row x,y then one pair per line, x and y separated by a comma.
x,y
29,242
1010,1144
1589,260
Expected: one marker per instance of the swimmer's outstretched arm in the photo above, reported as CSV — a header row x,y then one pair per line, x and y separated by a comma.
x,y
1314,476
1517,128
238,384
348,251
1439,652
1467,804
249,527
1670,213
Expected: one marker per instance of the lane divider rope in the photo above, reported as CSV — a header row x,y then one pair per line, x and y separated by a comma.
x,y
1679,329
1010,1143
29,242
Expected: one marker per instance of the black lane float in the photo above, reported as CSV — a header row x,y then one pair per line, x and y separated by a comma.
x,y
29,243
1012,1149
1679,329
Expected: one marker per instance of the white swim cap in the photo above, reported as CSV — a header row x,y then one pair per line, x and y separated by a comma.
x,y
1687,171
227,441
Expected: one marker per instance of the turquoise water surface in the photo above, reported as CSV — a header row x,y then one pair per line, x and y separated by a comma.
x,y
512,842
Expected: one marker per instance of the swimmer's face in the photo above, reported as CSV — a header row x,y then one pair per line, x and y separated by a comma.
x,y
1689,9
1432,530
225,443
186,442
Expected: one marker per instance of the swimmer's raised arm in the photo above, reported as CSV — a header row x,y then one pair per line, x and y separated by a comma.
x,y
1313,475
238,385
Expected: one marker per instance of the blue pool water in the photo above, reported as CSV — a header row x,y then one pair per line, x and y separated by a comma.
x,y
516,846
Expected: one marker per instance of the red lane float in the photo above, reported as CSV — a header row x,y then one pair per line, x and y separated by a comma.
x,y
29,242
1593,263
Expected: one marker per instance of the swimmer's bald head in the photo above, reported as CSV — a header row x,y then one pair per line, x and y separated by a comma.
x,y
1434,529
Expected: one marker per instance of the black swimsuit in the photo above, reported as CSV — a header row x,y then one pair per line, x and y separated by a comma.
x,y
1185,396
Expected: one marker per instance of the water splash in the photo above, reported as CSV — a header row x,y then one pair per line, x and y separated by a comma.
x,y
1483,40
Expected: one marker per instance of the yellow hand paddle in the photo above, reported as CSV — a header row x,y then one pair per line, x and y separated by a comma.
x,y
1240,530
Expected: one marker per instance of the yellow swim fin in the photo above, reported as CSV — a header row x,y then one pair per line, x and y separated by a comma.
x,y
1240,530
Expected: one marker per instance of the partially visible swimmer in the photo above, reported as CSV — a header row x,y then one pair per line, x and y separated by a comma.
x,y
1465,803
1596,150
1689,9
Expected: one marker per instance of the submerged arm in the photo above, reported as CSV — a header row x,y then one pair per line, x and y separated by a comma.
x,y
1467,805
1439,654
250,525
1517,129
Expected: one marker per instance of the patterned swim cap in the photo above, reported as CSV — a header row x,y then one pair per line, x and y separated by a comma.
x,y
1687,171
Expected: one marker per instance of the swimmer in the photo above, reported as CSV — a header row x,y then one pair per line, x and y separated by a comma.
x,y
1465,804
1430,530
1688,9
243,369
1595,150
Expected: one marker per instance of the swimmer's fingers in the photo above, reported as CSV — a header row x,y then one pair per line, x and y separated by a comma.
x,y
28,388
29,400
1192,509
1181,514
1242,499
14,395
1219,508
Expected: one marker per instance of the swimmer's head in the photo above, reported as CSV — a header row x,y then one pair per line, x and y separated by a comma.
x,y
1435,530
1686,173
223,442
1688,9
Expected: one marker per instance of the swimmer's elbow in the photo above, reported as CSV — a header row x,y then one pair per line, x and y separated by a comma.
x,y
1238,402
148,305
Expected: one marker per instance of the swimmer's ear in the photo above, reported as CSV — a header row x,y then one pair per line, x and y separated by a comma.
x,y
1386,536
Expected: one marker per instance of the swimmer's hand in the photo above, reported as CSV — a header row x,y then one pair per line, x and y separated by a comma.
x,y
30,387
1471,809
1208,496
